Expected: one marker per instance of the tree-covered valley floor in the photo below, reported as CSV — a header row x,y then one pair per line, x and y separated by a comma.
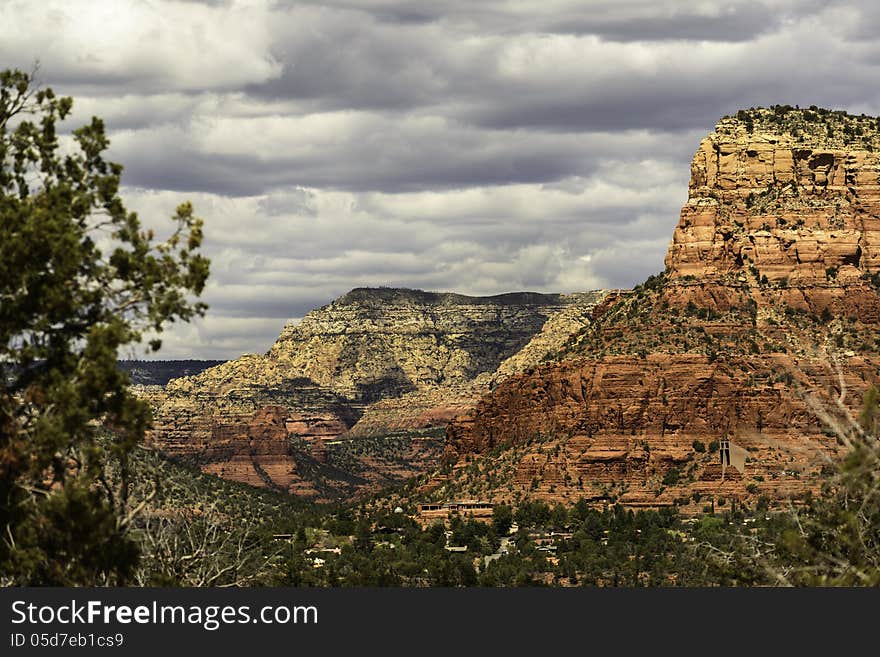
x,y
200,530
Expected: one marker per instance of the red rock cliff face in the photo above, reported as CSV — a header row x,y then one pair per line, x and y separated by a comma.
x,y
790,210
771,277
617,426
789,205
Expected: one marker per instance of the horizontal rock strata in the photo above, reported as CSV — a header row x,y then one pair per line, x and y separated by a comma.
x,y
771,284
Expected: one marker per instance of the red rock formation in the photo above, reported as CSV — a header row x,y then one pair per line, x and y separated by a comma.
x,y
253,450
625,422
772,274
791,207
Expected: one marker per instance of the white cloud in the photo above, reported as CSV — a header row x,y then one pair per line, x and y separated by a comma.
x,y
481,147
155,45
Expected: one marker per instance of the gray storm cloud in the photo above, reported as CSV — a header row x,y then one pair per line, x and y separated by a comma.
x,y
481,147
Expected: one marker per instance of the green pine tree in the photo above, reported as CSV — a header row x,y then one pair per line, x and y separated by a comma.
x,y
79,280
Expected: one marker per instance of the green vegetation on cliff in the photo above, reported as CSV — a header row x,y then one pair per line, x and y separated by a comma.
x,y
813,124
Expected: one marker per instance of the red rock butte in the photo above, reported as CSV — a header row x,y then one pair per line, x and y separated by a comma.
x,y
768,308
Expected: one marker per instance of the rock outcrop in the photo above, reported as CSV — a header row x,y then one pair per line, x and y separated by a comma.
x,y
787,201
383,368
771,285
785,204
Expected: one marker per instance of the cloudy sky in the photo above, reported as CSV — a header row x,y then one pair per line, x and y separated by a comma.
x,y
481,146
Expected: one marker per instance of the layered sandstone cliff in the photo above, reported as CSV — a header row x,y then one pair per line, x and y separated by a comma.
x,y
388,364
771,284
787,199
775,199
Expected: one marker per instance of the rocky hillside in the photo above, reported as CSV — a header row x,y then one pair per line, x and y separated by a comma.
x,y
356,394
768,307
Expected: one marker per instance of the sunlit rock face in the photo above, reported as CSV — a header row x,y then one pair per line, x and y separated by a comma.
x,y
770,291
371,363
789,199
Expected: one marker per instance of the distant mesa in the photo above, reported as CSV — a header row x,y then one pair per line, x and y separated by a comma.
x,y
357,394
160,372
